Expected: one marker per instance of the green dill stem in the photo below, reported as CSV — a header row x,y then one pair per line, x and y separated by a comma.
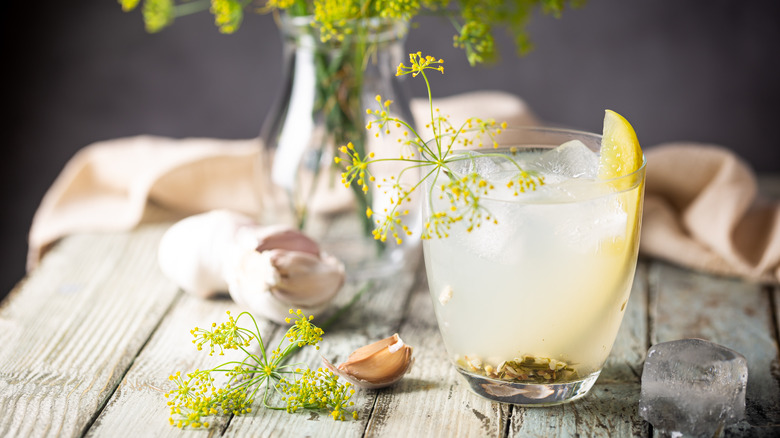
x,y
248,383
423,143
304,210
257,332
300,7
291,348
405,160
265,394
340,83
430,105
250,355
416,185
438,170
454,139
188,8
254,392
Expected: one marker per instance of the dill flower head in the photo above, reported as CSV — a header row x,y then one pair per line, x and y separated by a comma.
x,y
435,160
319,389
128,5
228,14
419,63
263,374
226,335
303,332
158,14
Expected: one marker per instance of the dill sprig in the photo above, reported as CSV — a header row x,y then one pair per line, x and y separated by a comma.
x,y
433,160
260,375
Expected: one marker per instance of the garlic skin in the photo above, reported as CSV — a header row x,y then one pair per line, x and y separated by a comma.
x,y
376,365
193,252
280,237
267,269
271,282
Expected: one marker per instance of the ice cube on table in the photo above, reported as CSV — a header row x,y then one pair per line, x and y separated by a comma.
x,y
693,387
571,159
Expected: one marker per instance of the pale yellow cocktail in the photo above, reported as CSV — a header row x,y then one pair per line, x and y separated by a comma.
x,y
530,306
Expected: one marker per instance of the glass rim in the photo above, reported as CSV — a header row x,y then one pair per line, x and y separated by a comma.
x,y
635,176
569,131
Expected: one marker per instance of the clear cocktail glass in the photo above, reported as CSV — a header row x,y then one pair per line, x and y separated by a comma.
x,y
530,306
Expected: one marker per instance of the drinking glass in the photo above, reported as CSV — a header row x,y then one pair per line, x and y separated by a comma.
x,y
529,306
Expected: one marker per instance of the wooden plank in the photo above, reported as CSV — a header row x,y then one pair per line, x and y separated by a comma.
x,y
611,408
433,400
71,331
375,316
139,404
735,314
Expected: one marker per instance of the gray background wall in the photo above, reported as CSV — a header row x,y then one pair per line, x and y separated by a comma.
x,y
79,72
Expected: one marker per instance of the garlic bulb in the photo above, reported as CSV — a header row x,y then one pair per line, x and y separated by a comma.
x,y
271,282
266,269
284,269
192,252
376,365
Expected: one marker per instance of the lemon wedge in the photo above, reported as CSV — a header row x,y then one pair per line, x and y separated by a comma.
x,y
622,156
620,150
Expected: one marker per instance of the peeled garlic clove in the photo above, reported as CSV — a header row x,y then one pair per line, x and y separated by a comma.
x,y
285,238
376,365
269,283
192,252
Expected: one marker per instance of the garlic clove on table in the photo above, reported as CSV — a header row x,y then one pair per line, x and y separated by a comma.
x,y
376,365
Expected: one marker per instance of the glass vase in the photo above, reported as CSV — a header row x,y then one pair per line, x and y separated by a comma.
x,y
328,86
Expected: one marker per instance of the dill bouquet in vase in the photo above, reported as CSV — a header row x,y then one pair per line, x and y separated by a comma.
x,y
338,55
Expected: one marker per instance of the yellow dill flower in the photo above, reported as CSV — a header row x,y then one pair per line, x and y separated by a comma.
x,y
157,14
280,4
228,14
333,17
129,5
419,63
434,159
403,9
319,389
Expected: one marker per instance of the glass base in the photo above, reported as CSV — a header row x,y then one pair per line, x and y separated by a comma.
x,y
529,394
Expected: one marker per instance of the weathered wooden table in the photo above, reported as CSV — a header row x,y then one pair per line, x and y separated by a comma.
x,y
87,343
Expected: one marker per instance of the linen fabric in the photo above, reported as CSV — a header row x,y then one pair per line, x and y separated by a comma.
x,y
702,210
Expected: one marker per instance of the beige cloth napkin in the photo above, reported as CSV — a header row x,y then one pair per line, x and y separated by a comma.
x,y
700,211
108,186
